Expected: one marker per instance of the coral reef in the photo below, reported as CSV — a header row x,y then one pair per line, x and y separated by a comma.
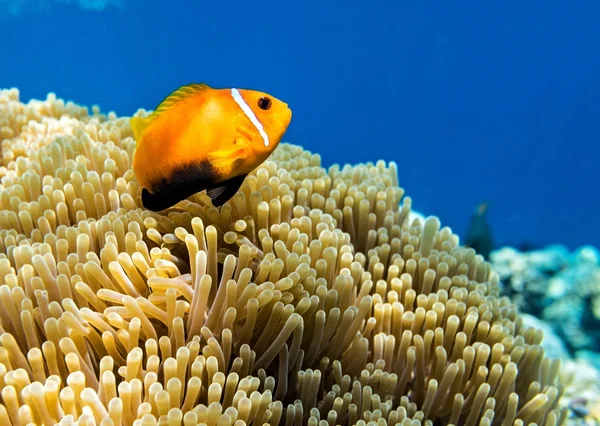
x,y
560,287
310,298
582,391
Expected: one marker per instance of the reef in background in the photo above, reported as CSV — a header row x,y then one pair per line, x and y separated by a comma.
x,y
559,292
559,287
310,298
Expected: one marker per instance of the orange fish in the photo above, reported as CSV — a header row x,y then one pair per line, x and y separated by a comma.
x,y
200,138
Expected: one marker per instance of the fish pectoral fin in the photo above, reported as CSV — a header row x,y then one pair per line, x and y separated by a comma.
x,y
224,191
242,143
225,158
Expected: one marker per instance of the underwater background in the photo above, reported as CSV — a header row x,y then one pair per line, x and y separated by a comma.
x,y
487,113
491,101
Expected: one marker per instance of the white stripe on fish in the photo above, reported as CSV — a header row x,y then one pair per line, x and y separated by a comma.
x,y
250,114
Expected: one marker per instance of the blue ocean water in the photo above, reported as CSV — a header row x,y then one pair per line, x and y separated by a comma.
x,y
476,101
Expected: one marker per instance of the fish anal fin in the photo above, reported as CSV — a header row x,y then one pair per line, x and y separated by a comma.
x,y
178,95
179,185
225,190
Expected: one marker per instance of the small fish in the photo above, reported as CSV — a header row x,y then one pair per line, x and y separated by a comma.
x,y
200,138
479,233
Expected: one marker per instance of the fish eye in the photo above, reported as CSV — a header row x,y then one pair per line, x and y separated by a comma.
x,y
264,103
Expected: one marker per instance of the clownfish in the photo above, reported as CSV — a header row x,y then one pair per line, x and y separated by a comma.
x,y
200,138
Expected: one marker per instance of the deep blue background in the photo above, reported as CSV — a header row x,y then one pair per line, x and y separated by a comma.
x,y
475,100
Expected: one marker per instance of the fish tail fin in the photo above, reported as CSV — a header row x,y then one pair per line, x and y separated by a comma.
x,y
138,125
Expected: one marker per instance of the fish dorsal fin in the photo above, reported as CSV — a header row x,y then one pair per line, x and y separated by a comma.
x,y
179,95
139,124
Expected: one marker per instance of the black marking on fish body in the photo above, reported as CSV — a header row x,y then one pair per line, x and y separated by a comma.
x,y
183,182
188,180
159,200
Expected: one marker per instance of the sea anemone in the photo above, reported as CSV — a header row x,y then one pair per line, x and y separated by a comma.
x,y
309,298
